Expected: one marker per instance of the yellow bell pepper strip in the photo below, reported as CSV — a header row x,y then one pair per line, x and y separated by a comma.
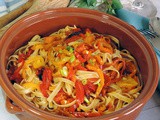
x,y
46,81
89,37
103,46
60,62
31,86
79,92
99,59
37,61
127,82
101,76
47,46
38,46
50,39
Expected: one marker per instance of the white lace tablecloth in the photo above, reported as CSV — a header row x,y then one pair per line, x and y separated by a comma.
x,y
151,111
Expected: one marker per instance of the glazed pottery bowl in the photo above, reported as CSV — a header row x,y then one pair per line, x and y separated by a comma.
x,y
44,23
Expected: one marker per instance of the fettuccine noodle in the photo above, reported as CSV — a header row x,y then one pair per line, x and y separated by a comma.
x,y
75,72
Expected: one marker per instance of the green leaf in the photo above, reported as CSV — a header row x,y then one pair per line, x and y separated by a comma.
x,y
91,2
116,4
82,4
108,6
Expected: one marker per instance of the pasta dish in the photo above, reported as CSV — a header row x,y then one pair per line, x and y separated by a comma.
x,y
75,72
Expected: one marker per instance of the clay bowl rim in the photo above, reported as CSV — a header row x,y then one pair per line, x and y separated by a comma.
x,y
32,109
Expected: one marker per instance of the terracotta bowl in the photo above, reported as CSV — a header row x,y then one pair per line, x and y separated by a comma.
x,y
44,23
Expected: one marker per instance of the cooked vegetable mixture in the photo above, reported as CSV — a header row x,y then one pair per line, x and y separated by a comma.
x,y
75,72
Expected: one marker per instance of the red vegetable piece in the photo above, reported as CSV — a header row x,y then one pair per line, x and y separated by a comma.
x,y
79,92
46,80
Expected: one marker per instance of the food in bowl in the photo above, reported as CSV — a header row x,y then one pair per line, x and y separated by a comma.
x,y
75,72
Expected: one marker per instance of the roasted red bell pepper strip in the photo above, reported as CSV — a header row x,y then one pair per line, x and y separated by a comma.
x,y
60,96
81,47
76,30
23,56
46,80
80,67
107,80
89,87
122,67
71,73
79,57
72,108
21,59
16,76
29,52
79,92
72,39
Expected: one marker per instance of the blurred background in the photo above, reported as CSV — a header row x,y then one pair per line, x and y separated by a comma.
x,y
7,6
